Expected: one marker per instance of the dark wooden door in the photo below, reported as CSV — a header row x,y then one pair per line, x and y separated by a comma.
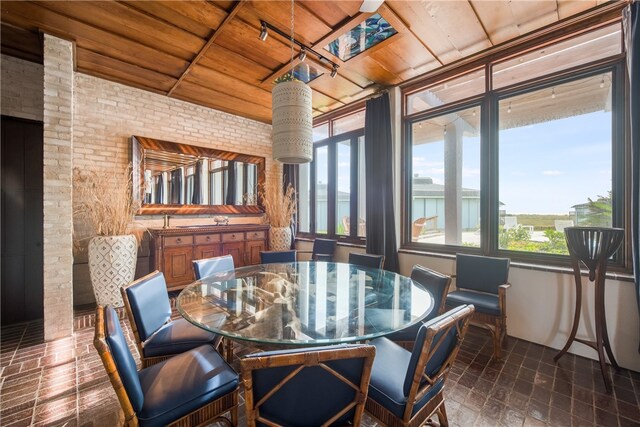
x,y
253,251
236,250
207,251
178,266
21,181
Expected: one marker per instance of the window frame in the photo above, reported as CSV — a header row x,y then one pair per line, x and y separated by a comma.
x,y
330,142
488,103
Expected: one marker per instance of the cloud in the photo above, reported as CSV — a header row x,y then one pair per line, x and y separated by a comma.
x,y
551,173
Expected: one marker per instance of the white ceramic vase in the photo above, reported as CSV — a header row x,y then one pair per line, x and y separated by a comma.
x,y
280,239
112,265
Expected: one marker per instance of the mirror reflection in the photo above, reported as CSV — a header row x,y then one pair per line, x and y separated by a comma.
x,y
174,178
184,179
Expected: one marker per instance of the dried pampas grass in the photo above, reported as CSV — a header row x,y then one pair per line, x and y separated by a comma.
x,y
103,201
279,204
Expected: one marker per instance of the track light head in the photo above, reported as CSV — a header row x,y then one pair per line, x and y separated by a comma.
x,y
303,54
263,31
334,71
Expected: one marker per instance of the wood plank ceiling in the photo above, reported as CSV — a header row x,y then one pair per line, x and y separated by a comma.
x,y
209,53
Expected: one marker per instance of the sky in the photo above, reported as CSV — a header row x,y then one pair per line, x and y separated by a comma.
x,y
545,168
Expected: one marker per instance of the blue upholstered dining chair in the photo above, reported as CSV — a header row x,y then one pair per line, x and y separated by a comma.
x,y
406,388
307,387
270,257
149,311
483,282
438,284
366,260
323,250
208,266
195,387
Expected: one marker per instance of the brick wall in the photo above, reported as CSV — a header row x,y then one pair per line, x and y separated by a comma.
x,y
106,114
21,88
57,188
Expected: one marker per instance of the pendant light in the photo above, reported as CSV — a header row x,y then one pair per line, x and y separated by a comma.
x,y
292,121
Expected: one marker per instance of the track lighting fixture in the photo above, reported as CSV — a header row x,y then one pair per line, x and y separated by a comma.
x,y
263,32
553,93
304,49
602,82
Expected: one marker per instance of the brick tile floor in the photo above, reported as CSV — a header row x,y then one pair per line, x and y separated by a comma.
x,y
63,382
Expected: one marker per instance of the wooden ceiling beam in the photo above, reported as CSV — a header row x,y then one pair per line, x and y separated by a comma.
x,y
232,13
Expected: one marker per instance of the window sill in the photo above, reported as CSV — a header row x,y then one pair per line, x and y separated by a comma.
x,y
612,275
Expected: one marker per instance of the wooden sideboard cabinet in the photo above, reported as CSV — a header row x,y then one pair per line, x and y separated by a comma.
x,y
174,249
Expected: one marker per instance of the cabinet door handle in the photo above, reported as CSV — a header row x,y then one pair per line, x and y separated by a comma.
x,y
233,236
208,238
178,240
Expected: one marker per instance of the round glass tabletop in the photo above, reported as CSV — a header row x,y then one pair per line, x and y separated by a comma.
x,y
304,303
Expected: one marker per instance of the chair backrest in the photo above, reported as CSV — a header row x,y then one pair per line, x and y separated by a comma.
x,y
147,304
437,283
307,387
481,273
277,256
434,351
208,266
118,361
366,260
323,247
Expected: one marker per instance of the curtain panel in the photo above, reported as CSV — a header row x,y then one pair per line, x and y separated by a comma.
x,y
196,198
631,27
290,176
381,228
231,183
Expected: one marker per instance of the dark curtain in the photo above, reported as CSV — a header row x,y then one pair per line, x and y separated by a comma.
x,y
381,227
176,186
196,198
631,24
231,183
159,188
290,176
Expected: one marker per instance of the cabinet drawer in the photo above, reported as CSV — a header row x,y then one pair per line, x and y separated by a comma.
x,y
255,235
178,240
232,237
207,238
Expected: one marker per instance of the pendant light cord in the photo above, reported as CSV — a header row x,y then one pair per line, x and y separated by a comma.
x,y
292,37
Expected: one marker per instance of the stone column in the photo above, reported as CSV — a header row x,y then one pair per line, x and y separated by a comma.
x,y
453,185
57,192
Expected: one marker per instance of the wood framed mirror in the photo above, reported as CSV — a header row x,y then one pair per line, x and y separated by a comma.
x,y
174,178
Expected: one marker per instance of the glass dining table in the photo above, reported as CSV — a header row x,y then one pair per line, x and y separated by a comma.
x,y
304,303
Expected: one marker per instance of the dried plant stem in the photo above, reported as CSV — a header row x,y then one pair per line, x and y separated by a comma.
x,y
103,199
279,204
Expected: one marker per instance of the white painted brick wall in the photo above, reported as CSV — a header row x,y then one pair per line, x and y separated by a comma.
x,y
21,88
57,194
106,114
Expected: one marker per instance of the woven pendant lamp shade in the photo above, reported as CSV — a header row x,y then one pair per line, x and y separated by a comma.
x,y
292,122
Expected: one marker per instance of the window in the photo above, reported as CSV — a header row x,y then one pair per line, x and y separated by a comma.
x,y
555,163
445,184
331,199
217,182
503,170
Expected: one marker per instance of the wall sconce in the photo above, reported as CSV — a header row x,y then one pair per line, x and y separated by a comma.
x,y
304,49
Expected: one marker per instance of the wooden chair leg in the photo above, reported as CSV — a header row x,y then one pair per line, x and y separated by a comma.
x,y
497,339
442,416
